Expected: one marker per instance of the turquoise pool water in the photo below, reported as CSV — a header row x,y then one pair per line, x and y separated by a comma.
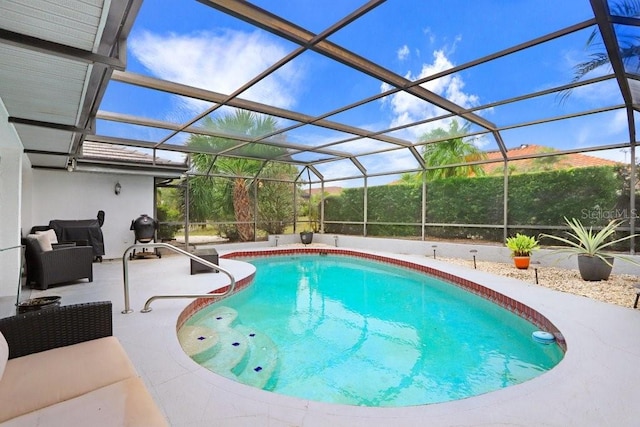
x,y
351,331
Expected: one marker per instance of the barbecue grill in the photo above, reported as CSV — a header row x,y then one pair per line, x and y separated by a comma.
x,y
84,232
144,228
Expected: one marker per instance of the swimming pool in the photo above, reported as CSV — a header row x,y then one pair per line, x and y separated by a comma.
x,y
347,330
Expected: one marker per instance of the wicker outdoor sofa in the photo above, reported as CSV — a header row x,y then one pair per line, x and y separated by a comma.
x,y
61,366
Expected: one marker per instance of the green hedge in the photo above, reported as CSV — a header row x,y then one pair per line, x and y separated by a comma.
x,y
542,198
546,198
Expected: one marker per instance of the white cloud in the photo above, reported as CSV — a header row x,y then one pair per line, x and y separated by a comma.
x,y
619,123
220,62
429,34
403,52
339,169
597,94
573,57
594,94
407,108
612,127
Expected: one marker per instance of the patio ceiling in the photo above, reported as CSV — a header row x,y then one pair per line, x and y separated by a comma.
x,y
58,59
55,60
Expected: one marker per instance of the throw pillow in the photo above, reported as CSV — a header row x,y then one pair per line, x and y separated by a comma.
x,y
43,241
51,234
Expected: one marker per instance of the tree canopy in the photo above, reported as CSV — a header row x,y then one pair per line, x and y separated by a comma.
x,y
452,147
233,198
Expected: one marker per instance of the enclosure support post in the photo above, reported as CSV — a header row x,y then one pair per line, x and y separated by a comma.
x,y
424,205
364,205
309,199
186,212
505,199
322,205
255,209
632,200
295,206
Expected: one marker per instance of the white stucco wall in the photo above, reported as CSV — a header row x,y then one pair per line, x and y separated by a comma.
x,y
80,195
10,184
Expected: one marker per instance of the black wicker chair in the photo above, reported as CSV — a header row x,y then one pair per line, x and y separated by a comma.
x,y
65,263
53,327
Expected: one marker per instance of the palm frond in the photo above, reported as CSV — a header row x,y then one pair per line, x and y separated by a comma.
x,y
627,8
629,45
597,60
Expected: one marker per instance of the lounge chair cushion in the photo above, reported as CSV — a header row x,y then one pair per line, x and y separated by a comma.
x,y
50,234
125,403
39,380
4,354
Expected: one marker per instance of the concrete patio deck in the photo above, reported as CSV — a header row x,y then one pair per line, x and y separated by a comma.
x,y
596,384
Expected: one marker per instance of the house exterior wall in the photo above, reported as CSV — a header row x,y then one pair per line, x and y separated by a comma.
x,y
80,195
10,205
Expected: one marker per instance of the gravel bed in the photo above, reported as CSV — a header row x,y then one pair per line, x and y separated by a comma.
x,y
619,289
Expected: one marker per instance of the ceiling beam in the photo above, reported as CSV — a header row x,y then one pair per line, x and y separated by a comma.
x,y
207,95
289,31
177,148
49,125
159,124
610,40
51,48
282,62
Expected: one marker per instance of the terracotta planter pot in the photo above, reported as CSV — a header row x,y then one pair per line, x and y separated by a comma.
x,y
521,262
594,269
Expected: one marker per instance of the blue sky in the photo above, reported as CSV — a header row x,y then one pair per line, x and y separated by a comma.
x,y
188,42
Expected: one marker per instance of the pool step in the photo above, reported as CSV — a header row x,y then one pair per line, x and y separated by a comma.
x,y
231,351
221,318
199,342
262,360
234,351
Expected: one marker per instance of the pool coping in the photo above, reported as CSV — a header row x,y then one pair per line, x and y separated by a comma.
x,y
595,384
522,310
584,389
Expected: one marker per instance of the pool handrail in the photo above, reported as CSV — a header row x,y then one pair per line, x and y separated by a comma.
x,y
147,308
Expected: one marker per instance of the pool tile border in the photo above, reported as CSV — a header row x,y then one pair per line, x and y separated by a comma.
x,y
498,298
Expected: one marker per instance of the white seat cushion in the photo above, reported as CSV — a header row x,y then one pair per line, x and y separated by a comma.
x,y
125,403
4,354
43,379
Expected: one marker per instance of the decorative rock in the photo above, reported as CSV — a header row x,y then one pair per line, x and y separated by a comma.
x,y
619,289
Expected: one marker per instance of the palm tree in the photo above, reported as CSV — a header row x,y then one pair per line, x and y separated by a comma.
x,y
629,44
409,179
242,171
452,148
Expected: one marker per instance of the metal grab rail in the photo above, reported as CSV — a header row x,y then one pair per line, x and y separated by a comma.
x,y
147,308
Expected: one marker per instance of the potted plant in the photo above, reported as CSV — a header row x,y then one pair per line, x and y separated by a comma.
x,y
594,263
521,247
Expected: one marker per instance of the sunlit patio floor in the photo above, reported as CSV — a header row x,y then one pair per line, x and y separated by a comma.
x,y
596,384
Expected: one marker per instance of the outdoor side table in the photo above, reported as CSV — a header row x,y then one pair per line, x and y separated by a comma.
x,y
210,255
